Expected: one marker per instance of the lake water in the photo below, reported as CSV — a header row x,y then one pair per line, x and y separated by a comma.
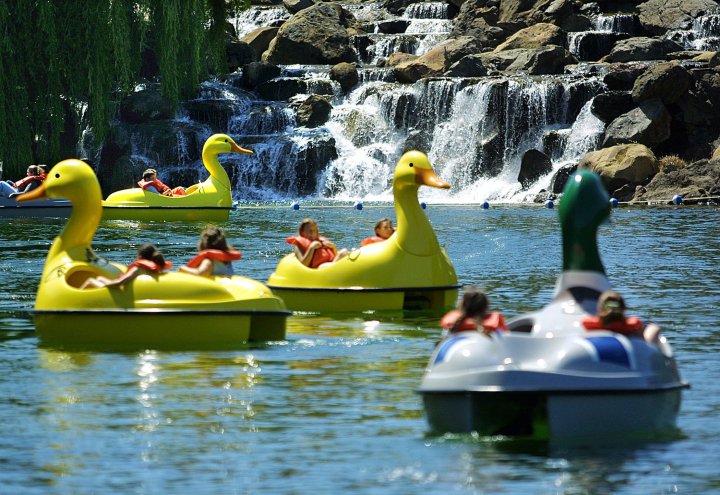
x,y
332,409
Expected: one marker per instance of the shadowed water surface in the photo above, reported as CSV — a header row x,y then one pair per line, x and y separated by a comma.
x,y
333,407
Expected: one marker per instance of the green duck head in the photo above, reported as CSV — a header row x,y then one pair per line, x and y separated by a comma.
x,y
584,206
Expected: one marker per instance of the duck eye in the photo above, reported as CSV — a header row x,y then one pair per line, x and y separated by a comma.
x,y
57,176
411,164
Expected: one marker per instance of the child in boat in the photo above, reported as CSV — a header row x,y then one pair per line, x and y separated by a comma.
x,y
383,230
151,183
473,315
149,260
311,249
611,316
215,256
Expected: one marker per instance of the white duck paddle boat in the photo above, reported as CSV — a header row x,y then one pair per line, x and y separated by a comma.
x,y
408,271
549,377
210,200
177,310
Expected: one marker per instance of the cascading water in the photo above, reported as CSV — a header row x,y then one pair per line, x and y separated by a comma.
x,y
704,35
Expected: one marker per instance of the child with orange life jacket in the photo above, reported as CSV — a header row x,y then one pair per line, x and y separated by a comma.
x,y
383,230
215,256
149,260
473,315
611,316
311,249
151,183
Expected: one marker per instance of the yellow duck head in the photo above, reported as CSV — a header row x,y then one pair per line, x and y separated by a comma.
x,y
414,233
73,180
214,146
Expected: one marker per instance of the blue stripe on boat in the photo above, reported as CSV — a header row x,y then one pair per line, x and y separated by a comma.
x,y
445,347
611,350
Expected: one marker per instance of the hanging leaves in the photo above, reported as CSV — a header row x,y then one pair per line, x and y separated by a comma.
x,y
60,58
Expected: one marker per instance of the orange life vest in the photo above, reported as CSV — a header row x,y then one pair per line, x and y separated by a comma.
x,y
214,255
631,324
157,184
321,255
150,265
491,322
23,183
371,240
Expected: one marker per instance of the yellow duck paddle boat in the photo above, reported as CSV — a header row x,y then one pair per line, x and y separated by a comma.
x,y
209,200
408,271
176,310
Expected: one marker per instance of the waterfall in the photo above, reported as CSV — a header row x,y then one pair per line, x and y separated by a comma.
x,y
704,34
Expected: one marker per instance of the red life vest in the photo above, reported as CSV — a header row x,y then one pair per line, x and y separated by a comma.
x,y
371,240
157,184
491,322
629,325
23,183
321,255
150,265
214,255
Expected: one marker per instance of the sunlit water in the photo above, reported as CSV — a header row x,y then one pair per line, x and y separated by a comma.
x,y
332,409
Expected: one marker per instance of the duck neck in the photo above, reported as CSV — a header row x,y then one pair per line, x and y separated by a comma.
x,y
414,233
76,238
580,251
212,164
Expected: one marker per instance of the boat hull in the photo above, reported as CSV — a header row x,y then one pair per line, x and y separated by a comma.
x,y
49,208
366,299
158,328
558,415
166,213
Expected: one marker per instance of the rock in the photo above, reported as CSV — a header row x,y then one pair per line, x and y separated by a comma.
x,y
437,60
316,35
147,105
312,159
393,26
660,16
666,81
612,104
595,45
622,164
649,124
256,73
468,66
534,165
535,36
700,179
399,57
314,111
260,38
295,6
546,60
558,181
281,89
641,48
239,53
345,74
622,76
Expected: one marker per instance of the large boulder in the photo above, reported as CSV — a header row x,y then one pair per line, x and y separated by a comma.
x,y
641,48
534,165
660,16
633,164
257,73
612,104
260,38
666,81
316,35
147,105
345,74
649,124
313,111
437,60
550,59
535,36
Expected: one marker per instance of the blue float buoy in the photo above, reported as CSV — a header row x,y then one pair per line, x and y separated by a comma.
x,y
485,205
295,205
550,204
423,205
614,202
677,199
358,205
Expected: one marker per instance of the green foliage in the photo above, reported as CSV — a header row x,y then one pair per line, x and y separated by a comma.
x,y
63,62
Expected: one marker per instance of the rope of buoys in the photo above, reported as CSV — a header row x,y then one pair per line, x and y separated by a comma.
x,y
549,204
